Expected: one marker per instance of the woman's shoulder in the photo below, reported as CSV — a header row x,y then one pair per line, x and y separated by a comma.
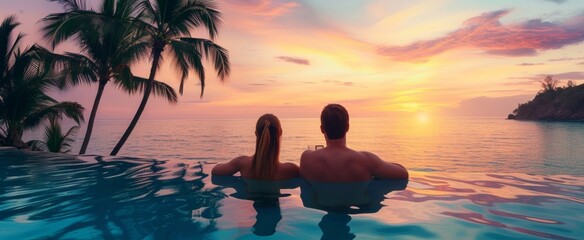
x,y
231,167
241,159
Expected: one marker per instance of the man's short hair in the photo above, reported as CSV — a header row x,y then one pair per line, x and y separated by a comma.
x,y
335,121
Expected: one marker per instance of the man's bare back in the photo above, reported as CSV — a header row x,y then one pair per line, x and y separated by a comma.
x,y
342,164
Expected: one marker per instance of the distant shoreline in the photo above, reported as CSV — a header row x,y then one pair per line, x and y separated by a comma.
x,y
548,120
553,103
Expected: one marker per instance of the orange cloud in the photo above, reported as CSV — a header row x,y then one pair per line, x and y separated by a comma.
x,y
487,33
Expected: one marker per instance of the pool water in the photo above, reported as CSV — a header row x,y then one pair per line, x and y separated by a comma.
x,y
53,196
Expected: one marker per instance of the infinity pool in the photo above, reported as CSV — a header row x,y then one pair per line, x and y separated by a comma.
x,y
52,196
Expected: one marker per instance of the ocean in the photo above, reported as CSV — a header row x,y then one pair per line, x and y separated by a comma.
x,y
471,145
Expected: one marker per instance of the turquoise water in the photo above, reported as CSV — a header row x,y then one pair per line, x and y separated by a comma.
x,y
52,196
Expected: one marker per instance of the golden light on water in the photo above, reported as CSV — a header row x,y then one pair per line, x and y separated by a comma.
x,y
422,117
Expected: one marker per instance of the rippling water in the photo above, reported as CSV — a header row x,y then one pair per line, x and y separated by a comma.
x,y
446,145
53,196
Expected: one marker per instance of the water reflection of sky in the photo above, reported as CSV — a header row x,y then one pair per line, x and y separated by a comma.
x,y
54,196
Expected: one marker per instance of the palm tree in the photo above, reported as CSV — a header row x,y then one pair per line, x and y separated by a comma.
x,y
110,43
55,140
25,76
168,24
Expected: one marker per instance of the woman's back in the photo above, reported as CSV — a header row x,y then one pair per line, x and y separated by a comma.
x,y
283,170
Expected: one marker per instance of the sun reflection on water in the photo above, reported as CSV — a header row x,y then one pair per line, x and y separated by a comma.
x,y
422,117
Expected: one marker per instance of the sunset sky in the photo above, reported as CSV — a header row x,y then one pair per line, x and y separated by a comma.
x,y
377,57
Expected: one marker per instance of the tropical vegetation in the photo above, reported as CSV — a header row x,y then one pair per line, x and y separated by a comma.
x,y
25,78
110,42
54,139
168,24
110,38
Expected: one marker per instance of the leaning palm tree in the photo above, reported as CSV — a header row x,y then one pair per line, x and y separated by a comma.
x,y
54,139
110,43
25,76
168,24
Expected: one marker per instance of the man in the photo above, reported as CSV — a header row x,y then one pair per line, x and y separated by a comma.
x,y
338,163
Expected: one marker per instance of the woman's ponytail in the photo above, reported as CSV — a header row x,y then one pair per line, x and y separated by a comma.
x,y
265,159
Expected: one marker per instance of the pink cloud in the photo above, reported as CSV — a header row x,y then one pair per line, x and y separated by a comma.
x,y
269,8
487,33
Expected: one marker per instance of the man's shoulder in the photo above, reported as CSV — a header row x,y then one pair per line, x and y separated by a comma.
x,y
310,153
307,155
368,155
312,159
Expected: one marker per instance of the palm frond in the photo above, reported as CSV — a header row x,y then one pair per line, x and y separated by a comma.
x,y
74,69
59,27
193,14
149,12
135,47
129,9
159,89
54,139
37,145
108,7
71,110
164,10
210,16
69,139
124,80
14,47
163,90
217,54
6,47
185,57
53,135
72,5
35,66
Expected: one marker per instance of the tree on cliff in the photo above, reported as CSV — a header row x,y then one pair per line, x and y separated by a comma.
x,y
549,84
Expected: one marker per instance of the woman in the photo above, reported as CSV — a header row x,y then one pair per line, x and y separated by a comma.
x,y
264,164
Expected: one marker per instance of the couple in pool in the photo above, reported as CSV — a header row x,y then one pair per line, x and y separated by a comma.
x,y
333,163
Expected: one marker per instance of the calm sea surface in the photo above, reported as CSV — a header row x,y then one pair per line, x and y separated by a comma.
x,y
445,145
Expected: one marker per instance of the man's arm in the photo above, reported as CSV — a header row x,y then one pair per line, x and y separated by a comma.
x,y
228,168
385,170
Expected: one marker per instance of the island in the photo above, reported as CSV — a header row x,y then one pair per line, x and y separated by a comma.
x,y
553,103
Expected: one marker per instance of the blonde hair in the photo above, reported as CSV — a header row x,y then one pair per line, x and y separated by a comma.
x,y
267,152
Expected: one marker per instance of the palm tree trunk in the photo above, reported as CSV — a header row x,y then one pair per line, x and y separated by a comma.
x,y
92,117
142,106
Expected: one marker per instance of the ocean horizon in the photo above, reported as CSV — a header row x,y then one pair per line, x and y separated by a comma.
x,y
448,144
